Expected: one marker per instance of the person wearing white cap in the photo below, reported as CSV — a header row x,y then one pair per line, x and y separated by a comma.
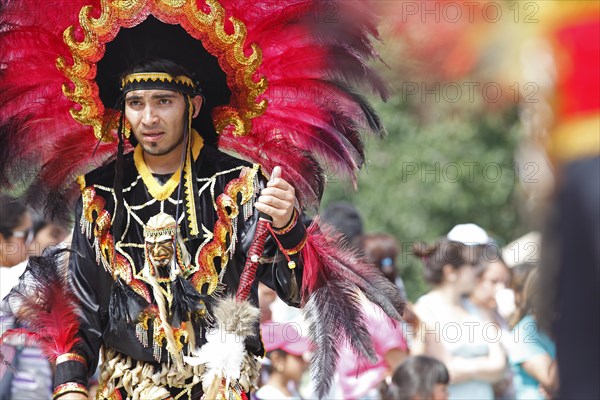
x,y
469,234
451,330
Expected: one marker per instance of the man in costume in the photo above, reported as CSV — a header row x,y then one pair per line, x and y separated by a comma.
x,y
153,263
169,236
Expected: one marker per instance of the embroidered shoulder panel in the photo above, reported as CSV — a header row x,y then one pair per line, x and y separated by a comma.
x,y
96,221
223,243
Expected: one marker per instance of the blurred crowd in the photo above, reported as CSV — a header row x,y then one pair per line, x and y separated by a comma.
x,y
474,335
24,371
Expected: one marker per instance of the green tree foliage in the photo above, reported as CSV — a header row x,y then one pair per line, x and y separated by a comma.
x,y
442,163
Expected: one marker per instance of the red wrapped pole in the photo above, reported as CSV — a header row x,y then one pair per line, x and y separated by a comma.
x,y
253,257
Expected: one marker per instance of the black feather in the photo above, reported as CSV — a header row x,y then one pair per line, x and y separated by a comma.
x,y
125,304
373,120
356,71
335,316
186,300
377,288
322,334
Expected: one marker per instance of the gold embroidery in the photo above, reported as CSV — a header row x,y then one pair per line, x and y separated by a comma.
x,y
223,231
140,288
123,269
190,196
106,392
69,387
159,336
81,182
154,233
289,226
241,67
91,203
296,250
93,211
102,223
158,191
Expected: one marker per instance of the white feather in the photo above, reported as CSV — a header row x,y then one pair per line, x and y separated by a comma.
x,y
222,356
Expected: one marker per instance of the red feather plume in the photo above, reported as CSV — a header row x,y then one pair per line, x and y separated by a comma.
x,y
45,307
332,279
313,54
42,148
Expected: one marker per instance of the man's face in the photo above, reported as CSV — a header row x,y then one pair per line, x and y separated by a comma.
x,y
13,249
156,118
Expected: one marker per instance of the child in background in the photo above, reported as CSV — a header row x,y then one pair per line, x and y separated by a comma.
x,y
419,378
286,349
46,234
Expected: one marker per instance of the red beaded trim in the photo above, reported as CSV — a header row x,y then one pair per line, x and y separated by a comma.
x,y
69,387
285,251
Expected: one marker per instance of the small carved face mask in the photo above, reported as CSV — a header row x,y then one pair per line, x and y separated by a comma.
x,y
160,250
159,236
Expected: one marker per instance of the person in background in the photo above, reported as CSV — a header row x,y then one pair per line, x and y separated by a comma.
x,y
286,350
418,378
360,378
266,297
494,277
451,330
520,256
15,234
382,249
533,353
518,278
345,218
25,373
45,234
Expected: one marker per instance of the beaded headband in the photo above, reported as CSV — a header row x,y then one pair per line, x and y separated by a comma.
x,y
159,80
154,233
